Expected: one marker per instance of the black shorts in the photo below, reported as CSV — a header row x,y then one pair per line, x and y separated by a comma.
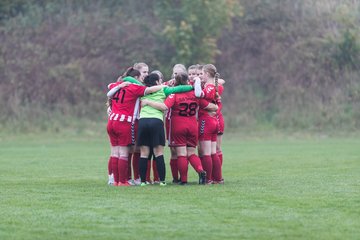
x,y
151,132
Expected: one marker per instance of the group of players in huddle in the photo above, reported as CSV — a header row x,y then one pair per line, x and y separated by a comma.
x,y
189,103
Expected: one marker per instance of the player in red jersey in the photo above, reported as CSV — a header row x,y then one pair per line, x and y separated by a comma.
x,y
208,124
192,72
221,123
178,68
130,72
119,127
184,127
196,70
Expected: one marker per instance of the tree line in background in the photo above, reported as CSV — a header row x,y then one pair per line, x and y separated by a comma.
x,y
287,64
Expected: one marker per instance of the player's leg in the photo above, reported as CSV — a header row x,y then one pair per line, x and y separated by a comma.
x,y
182,164
123,152
114,157
196,164
174,165
143,162
110,172
160,163
206,160
220,137
173,156
217,171
155,171
136,153
218,147
130,157
158,140
114,164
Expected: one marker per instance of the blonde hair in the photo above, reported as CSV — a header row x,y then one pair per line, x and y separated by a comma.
x,y
211,70
140,65
181,66
192,67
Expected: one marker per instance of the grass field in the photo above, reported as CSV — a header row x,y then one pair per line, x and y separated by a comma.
x,y
276,187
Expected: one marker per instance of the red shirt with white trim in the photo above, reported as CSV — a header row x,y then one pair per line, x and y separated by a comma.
x,y
124,101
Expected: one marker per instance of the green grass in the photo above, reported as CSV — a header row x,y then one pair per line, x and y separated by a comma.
x,y
304,187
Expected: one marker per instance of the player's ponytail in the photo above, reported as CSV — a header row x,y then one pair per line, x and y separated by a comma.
x,y
131,72
217,75
211,70
181,79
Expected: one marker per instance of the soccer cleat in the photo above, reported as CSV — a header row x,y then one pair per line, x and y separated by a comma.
x,y
131,182
175,180
155,182
218,182
143,184
202,177
183,183
111,179
162,184
137,181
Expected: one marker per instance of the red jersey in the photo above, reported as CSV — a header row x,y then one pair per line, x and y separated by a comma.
x,y
218,101
209,97
124,102
209,91
184,106
220,116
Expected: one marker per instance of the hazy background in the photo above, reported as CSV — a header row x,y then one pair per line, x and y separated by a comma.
x,y
288,64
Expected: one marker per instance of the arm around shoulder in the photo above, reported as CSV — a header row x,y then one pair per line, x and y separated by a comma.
x,y
153,89
157,105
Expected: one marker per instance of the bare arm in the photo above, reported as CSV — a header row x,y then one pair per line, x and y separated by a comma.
x,y
157,105
116,88
221,81
211,107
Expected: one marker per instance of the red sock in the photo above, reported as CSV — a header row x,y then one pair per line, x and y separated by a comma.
x,y
109,166
135,162
220,157
195,163
182,164
155,171
148,171
129,165
123,170
174,168
206,162
114,166
217,175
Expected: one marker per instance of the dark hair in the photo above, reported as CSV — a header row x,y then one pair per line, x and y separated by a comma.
x,y
181,79
151,79
161,76
131,72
